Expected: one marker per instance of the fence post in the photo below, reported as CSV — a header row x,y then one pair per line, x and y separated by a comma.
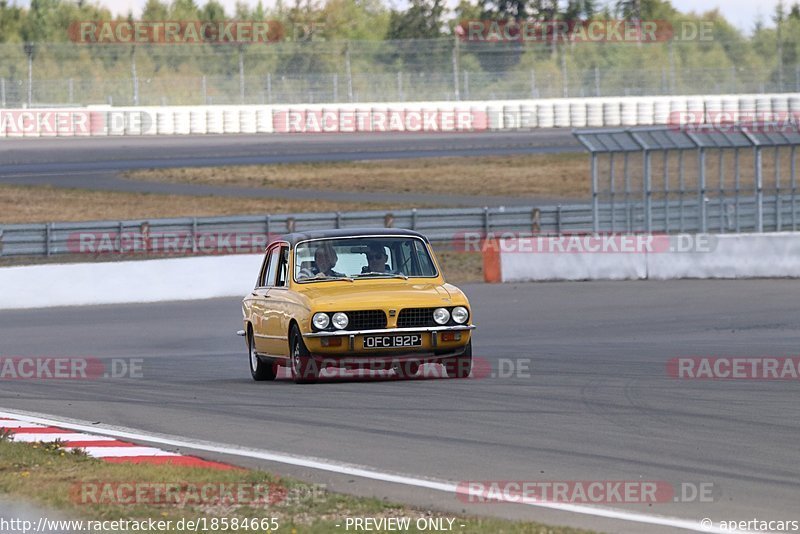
x,y
648,192
119,236
47,233
793,171
2,92
29,50
241,74
338,219
194,235
778,203
558,219
335,87
536,221
266,228
134,77
348,71
413,218
399,85
486,223
1,241
701,191
457,93
759,192
596,81
595,202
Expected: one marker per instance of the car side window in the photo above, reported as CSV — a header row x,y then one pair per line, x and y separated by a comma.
x,y
268,274
283,267
262,271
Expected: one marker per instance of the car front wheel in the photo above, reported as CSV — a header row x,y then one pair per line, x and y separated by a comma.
x,y
304,368
260,368
460,366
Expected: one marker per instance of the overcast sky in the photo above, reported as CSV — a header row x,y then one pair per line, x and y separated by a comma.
x,y
742,13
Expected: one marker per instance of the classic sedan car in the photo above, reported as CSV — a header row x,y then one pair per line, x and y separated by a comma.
x,y
371,299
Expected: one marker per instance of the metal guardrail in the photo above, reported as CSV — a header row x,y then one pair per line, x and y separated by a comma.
x,y
444,227
722,165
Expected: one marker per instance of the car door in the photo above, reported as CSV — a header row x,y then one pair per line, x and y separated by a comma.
x,y
260,300
280,307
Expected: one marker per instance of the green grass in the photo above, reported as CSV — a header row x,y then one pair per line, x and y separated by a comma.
x,y
57,480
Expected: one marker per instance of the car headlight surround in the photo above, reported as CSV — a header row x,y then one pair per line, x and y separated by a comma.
x,y
460,314
441,315
340,320
320,320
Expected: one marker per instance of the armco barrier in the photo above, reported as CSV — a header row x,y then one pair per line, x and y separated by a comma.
x,y
440,225
726,256
444,116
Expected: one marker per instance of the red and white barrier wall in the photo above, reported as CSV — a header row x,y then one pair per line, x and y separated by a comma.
x,y
443,116
639,257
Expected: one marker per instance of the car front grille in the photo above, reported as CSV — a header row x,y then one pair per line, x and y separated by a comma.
x,y
415,318
366,319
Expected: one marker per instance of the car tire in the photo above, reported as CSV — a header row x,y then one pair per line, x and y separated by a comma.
x,y
260,368
304,367
460,366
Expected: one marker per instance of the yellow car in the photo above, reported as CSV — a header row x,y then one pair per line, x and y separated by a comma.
x,y
370,299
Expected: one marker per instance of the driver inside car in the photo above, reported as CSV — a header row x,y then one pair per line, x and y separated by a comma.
x,y
376,260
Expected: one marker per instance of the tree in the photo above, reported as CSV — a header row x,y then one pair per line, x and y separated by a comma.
x,y
422,20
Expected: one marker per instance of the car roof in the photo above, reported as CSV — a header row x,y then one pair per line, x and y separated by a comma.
x,y
296,237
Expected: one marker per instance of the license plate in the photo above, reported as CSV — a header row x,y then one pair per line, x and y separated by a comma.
x,y
388,342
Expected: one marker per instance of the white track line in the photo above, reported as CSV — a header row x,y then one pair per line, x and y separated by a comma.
x,y
364,472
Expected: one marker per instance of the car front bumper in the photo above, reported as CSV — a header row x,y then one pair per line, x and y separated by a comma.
x,y
432,348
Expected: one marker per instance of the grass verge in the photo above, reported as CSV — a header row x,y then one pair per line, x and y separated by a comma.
x,y
553,175
35,204
81,488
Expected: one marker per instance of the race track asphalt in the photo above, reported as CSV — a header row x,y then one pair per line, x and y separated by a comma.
x,y
95,163
598,403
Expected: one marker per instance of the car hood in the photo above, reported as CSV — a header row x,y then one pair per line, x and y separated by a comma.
x,y
377,294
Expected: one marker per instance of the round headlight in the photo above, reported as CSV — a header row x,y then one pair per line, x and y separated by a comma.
x,y
441,315
460,314
321,320
340,320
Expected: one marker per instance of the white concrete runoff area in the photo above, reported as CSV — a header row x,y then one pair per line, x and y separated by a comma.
x,y
586,257
79,284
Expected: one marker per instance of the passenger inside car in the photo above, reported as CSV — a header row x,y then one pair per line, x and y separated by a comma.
x,y
376,259
325,259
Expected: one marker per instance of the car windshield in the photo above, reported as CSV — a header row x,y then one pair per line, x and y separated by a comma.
x,y
361,258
